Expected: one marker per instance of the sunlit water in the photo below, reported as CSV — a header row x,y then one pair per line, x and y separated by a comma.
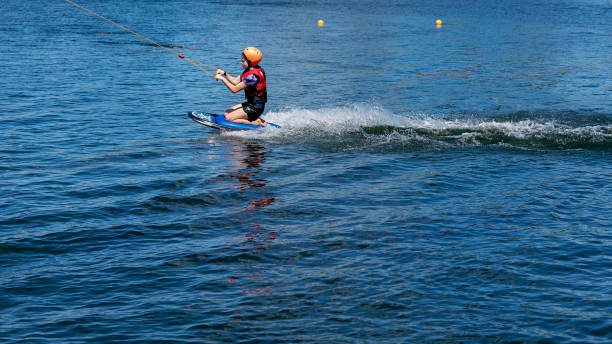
x,y
430,184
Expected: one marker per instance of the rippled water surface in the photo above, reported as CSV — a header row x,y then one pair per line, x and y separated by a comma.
x,y
429,184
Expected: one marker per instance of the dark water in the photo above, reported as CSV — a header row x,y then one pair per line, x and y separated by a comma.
x,y
430,184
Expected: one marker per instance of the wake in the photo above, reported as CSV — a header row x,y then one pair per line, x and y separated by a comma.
x,y
368,126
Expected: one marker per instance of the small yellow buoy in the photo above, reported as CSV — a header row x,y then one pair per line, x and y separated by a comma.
x,y
438,22
320,22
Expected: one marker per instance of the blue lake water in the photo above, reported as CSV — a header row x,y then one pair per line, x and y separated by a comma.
x,y
430,184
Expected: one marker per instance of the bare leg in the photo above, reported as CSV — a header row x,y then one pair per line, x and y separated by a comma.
x,y
237,115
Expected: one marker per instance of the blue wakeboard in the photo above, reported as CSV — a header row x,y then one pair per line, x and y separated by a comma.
x,y
219,122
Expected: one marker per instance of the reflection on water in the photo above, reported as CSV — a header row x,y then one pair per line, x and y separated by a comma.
x,y
264,202
247,165
247,162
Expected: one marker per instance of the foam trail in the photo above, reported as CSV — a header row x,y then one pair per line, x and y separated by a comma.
x,y
358,126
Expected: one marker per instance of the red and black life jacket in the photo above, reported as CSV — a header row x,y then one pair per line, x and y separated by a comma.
x,y
256,94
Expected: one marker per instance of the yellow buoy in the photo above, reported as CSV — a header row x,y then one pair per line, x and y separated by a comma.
x,y
438,22
320,22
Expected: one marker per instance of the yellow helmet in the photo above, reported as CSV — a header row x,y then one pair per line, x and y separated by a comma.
x,y
253,55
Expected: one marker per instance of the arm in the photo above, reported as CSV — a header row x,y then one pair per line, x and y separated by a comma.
x,y
234,87
234,80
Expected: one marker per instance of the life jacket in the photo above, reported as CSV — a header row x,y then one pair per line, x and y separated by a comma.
x,y
256,94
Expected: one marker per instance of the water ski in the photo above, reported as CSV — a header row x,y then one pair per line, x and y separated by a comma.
x,y
219,122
